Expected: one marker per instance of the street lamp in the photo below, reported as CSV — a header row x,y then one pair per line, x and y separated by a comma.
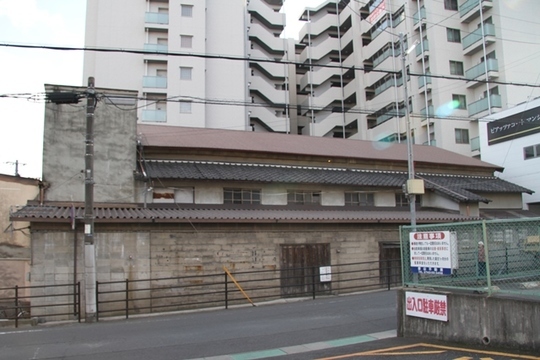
x,y
413,186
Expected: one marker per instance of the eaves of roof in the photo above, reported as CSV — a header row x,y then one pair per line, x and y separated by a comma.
x,y
231,214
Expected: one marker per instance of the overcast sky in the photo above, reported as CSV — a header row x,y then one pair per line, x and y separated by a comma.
x,y
25,71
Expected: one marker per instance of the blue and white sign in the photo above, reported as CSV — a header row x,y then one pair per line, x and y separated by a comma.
x,y
431,252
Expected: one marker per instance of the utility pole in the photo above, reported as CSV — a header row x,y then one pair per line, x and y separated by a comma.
x,y
89,249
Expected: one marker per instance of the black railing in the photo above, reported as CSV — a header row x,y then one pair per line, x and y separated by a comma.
x,y
40,302
130,297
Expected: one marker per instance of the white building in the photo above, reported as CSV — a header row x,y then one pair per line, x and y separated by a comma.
x,y
511,139
222,64
191,67
456,39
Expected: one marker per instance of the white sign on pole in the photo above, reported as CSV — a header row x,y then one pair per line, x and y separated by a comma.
x,y
430,252
428,306
326,273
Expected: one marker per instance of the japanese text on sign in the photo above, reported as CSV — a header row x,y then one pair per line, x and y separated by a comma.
x,y
431,252
429,306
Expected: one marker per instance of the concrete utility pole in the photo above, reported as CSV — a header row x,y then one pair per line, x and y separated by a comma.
x,y
89,249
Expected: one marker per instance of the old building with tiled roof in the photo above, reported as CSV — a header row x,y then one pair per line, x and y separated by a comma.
x,y
174,201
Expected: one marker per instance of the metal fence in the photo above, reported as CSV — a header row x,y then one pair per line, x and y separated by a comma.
x,y
486,256
44,302
132,297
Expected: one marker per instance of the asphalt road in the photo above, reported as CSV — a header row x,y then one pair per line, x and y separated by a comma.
x,y
360,326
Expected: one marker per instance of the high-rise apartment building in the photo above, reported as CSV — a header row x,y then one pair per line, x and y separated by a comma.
x,y
460,56
223,64
194,62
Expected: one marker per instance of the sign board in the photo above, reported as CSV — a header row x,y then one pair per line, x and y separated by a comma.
x,y
376,11
326,273
515,126
431,252
428,306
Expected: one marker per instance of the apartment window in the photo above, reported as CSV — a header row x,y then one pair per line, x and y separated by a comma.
x,y
185,107
403,199
456,68
531,152
186,41
303,197
453,35
462,136
241,196
359,199
185,73
451,5
186,10
459,101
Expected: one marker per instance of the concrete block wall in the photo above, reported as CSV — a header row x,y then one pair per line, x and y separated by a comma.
x,y
178,250
496,320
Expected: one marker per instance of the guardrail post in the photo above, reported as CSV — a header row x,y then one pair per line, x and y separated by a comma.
x,y
79,300
313,280
97,301
127,298
16,306
226,291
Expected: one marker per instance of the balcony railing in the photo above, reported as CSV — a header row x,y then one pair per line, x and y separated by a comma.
x,y
159,82
429,113
156,48
154,115
156,18
483,105
476,35
423,80
475,144
419,15
466,7
418,48
480,69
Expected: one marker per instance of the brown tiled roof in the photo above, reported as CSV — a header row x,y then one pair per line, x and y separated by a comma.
x,y
460,188
227,214
231,140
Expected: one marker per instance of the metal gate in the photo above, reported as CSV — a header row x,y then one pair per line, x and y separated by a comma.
x,y
390,263
300,269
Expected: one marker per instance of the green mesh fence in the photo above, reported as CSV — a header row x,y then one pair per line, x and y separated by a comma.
x,y
486,256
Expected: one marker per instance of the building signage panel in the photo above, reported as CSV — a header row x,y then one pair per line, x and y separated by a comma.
x,y
515,126
326,273
428,306
377,10
431,252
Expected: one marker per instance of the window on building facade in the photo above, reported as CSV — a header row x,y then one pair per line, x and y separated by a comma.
x,y
359,199
241,196
186,10
186,41
462,136
453,35
185,73
456,68
185,107
303,197
451,5
530,152
403,199
459,101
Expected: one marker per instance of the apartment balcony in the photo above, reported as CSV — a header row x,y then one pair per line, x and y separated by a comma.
x,y
156,20
324,126
267,90
156,82
418,50
470,10
478,72
482,105
316,28
154,115
156,48
419,17
318,76
475,144
269,117
266,38
424,83
321,50
276,19
473,42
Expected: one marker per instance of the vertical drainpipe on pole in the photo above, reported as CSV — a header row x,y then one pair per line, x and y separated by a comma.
x,y
341,71
312,123
89,247
485,55
424,74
